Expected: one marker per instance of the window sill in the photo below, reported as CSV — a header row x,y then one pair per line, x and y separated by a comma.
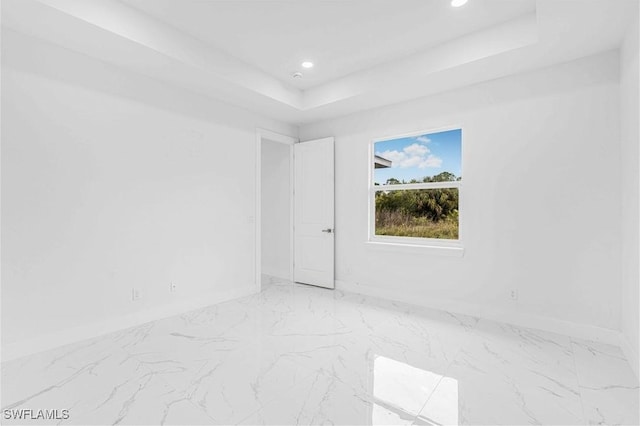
x,y
439,250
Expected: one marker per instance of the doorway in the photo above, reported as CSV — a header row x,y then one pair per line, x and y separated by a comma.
x,y
274,201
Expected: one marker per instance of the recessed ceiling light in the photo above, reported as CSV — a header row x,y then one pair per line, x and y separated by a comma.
x,y
458,3
297,75
307,64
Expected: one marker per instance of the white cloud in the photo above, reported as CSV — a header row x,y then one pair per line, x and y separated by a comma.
x,y
431,161
423,139
414,155
416,149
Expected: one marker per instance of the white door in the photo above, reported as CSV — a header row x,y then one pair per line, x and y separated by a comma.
x,y
313,212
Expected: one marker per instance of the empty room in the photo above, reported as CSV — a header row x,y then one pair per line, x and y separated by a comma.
x,y
337,212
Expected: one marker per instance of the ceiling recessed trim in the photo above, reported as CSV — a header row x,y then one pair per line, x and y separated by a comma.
x,y
129,38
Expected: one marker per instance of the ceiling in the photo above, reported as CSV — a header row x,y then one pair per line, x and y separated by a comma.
x,y
368,53
340,37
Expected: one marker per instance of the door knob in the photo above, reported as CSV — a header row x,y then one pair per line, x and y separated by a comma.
x,y
328,230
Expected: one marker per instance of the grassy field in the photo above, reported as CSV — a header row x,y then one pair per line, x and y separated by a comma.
x,y
399,225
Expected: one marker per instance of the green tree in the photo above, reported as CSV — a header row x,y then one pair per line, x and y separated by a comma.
x,y
433,204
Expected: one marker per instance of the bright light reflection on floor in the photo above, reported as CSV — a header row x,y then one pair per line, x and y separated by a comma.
x,y
400,391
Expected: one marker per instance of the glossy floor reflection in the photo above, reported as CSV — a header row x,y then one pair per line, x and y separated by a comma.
x,y
295,354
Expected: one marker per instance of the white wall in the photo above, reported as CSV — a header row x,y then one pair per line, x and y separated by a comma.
x,y
630,129
540,203
112,181
276,211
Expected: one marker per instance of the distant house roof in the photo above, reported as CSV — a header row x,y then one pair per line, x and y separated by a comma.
x,y
381,163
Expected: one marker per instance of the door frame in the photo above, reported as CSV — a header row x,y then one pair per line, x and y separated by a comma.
x,y
262,135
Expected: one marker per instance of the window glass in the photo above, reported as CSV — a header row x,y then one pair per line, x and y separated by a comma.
x,y
422,213
416,158
429,168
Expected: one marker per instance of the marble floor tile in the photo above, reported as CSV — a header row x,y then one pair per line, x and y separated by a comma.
x,y
512,375
477,393
111,389
295,354
394,394
320,399
608,386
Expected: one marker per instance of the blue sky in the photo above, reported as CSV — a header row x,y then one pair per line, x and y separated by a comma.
x,y
415,157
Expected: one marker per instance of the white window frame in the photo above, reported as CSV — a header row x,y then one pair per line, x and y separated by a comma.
x,y
413,241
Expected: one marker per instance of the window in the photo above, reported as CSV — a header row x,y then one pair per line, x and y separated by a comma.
x,y
415,188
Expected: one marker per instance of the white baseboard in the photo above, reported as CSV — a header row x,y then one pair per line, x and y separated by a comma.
x,y
631,353
581,331
88,331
